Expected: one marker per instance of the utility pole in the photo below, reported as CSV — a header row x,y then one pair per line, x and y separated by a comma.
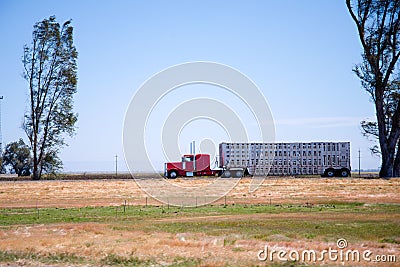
x,y
116,164
359,163
1,136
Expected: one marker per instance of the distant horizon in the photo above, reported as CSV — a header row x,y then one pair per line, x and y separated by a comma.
x,y
355,171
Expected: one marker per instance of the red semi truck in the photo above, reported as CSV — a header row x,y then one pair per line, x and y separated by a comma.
x,y
199,167
237,159
191,165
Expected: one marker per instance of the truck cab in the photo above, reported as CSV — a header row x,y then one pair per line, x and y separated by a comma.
x,y
190,165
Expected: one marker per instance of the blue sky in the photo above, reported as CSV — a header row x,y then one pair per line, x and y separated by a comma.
x,y
299,53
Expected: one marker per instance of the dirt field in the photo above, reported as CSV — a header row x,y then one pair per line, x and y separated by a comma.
x,y
197,238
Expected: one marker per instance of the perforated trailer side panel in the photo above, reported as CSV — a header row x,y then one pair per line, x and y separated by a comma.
x,y
285,158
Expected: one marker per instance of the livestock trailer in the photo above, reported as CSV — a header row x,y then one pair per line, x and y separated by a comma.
x,y
313,158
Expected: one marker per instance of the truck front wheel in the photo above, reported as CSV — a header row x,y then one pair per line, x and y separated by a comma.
x,y
172,174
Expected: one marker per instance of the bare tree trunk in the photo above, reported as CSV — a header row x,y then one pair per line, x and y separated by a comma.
x,y
385,145
387,165
35,174
396,166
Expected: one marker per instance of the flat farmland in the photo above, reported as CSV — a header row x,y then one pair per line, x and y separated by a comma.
x,y
276,190
113,223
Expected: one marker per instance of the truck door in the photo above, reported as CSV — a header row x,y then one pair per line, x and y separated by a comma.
x,y
187,163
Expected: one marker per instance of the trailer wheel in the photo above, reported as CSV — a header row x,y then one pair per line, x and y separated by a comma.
x,y
172,174
344,172
330,172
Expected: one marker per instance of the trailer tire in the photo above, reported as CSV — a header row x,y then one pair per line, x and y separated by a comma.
x,y
344,172
329,172
172,174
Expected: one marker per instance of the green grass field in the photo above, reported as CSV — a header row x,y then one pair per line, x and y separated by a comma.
x,y
324,222
333,220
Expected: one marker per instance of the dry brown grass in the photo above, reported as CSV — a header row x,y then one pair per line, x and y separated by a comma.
x,y
98,241
277,190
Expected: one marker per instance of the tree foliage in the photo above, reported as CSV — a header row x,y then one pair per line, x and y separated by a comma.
x,y
378,27
51,72
51,163
17,156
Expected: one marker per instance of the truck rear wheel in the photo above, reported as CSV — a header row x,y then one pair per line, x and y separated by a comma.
x,y
172,174
226,174
238,174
